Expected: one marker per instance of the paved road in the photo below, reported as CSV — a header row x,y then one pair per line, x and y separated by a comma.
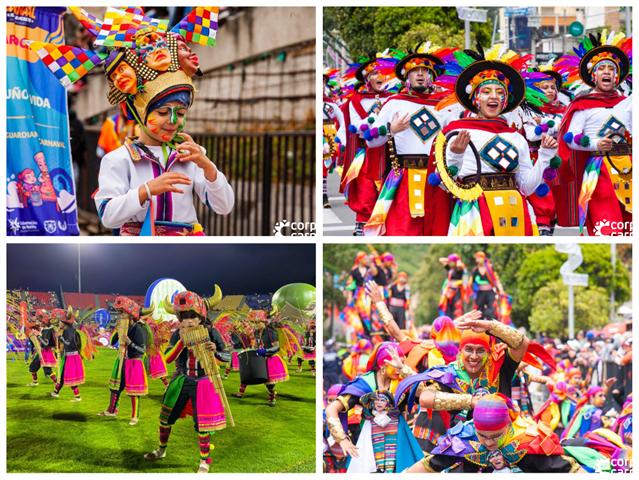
x,y
339,220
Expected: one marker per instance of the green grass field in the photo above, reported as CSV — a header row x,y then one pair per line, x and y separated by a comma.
x,y
56,435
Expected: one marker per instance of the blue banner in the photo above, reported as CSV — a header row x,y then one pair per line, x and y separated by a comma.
x,y
40,188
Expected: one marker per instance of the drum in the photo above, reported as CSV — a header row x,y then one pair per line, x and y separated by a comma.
x,y
252,368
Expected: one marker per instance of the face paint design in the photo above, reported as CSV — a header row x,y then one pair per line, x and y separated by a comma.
x,y
605,75
490,99
189,61
125,79
165,122
549,88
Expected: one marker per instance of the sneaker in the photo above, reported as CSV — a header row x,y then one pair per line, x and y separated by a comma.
x,y
546,230
32,384
299,370
133,421
106,413
156,454
55,395
203,468
238,395
325,201
75,399
271,403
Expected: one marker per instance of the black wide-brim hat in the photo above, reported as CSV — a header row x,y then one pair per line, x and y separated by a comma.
x,y
359,74
437,64
584,71
557,77
516,84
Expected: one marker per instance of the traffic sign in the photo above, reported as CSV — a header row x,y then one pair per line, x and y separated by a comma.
x,y
472,14
576,29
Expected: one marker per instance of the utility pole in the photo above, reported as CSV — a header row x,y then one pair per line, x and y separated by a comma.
x,y
628,25
613,260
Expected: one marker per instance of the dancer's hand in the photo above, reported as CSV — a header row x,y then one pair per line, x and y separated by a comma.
x,y
610,382
167,182
605,144
399,123
548,142
374,291
211,347
189,151
472,315
461,142
395,361
477,326
349,448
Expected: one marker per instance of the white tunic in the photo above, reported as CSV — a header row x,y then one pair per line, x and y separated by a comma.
x,y
425,124
598,122
369,104
527,175
120,178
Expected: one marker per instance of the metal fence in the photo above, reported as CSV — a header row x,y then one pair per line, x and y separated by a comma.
x,y
272,174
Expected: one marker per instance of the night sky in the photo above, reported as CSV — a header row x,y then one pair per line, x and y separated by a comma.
x,y
130,269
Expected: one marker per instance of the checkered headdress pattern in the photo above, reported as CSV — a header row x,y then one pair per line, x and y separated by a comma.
x,y
199,26
69,64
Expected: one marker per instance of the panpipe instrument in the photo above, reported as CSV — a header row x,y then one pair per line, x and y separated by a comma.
x,y
196,339
36,343
122,329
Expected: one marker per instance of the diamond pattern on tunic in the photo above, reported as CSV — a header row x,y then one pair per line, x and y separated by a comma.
x,y
424,124
500,154
613,125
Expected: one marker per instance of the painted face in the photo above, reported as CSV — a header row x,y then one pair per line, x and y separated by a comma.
x,y
166,121
419,78
154,51
124,78
391,372
158,59
598,400
380,404
491,439
474,358
189,61
375,81
490,100
549,87
605,76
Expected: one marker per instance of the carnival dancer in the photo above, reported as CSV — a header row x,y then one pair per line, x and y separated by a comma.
x,y
481,367
399,299
308,348
362,180
595,180
483,162
497,440
560,407
455,290
267,345
409,123
589,410
147,186
363,269
194,390
71,371
334,131
398,450
128,373
114,131
355,363
160,336
485,285
539,120
45,355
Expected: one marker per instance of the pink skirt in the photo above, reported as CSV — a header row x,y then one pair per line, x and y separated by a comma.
x,y
48,358
157,366
210,411
73,370
308,355
135,377
277,369
235,362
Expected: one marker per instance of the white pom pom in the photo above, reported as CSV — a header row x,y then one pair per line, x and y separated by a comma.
x,y
469,89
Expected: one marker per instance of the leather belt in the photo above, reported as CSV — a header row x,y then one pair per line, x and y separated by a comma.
x,y
412,161
617,149
493,181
